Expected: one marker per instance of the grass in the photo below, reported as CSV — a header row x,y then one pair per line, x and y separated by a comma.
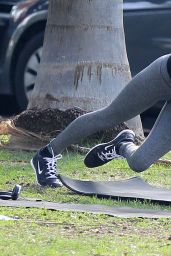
x,y
45,232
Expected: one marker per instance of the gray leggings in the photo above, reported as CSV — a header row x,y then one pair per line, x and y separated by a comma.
x,y
148,87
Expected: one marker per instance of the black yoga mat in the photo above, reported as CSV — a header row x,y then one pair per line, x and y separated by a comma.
x,y
123,212
133,188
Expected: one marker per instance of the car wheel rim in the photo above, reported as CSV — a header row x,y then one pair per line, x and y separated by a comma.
x,y
31,72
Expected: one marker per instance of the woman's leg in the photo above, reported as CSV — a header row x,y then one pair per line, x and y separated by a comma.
x,y
148,87
144,90
157,144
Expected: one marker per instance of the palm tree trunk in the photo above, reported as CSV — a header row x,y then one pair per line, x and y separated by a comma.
x,y
84,62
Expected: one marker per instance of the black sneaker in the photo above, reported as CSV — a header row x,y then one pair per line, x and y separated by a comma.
x,y
103,153
44,164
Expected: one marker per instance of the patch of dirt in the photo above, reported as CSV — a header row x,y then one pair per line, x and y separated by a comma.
x,y
52,121
49,121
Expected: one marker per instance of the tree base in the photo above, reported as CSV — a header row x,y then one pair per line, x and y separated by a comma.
x,y
46,122
51,122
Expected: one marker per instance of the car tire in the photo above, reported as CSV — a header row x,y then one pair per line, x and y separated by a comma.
x,y
27,52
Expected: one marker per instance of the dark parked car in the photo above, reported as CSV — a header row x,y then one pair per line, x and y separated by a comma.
x,y
22,24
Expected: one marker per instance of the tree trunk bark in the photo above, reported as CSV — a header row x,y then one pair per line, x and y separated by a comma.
x,y
84,62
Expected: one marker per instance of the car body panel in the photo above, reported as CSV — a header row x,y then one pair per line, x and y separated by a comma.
x,y
147,30
35,12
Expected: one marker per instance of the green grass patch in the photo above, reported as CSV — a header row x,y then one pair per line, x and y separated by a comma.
x,y
45,232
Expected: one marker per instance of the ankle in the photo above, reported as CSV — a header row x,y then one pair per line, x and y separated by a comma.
x,y
118,148
121,148
46,151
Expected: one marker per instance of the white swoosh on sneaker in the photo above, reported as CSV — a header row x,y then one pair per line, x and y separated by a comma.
x,y
39,171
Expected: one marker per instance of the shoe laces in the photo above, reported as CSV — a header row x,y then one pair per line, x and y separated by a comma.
x,y
51,165
108,155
